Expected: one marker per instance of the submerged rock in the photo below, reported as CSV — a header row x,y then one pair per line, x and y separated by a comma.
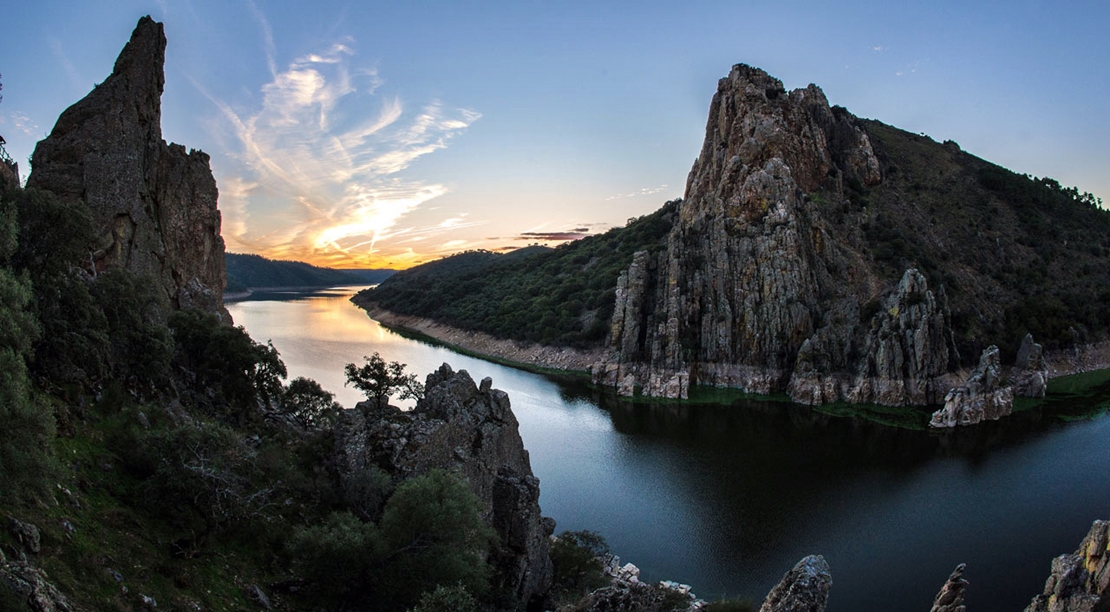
x,y
460,427
153,204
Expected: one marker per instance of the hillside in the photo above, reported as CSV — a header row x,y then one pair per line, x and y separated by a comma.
x,y
561,296
245,271
814,252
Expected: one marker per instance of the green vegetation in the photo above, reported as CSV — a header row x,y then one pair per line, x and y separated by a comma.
x,y
254,271
561,296
578,571
1015,254
429,536
161,454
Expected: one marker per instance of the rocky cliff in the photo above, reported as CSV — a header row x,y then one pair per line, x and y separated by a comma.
x,y
470,429
839,259
1079,582
154,204
754,290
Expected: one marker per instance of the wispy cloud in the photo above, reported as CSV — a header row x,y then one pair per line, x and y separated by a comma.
x,y
878,48
318,170
75,78
23,123
639,192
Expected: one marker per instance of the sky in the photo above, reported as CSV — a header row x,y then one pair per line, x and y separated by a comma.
x,y
386,134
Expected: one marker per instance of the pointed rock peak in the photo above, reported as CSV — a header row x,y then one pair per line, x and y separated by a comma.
x,y
139,69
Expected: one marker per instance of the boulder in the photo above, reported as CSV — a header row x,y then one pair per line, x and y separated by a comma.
x,y
460,427
154,205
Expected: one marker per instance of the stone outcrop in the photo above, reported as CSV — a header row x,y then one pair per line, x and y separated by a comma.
x,y
154,204
990,389
1030,373
983,397
951,595
471,430
753,291
803,589
32,586
1080,582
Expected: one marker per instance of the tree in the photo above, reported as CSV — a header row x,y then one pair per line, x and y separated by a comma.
x,y
380,380
307,402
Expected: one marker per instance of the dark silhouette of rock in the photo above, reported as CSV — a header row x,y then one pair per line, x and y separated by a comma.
x,y
460,427
154,204
951,595
1079,582
803,589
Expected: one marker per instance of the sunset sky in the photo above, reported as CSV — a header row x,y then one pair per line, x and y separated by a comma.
x,y
373,134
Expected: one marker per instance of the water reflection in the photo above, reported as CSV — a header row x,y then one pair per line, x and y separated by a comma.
x,y
728,497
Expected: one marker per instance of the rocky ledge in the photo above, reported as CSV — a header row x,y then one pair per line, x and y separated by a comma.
x,y
469,429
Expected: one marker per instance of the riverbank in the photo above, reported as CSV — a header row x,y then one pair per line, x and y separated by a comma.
x,y
527,355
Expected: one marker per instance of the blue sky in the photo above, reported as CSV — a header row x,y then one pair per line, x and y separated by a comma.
x,y
362,134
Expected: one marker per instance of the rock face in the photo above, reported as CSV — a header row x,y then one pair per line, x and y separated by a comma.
x,y
803,589
951,595
1079,582
471,430
154,203
753,291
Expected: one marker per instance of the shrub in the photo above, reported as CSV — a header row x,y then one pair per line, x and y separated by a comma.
x,y
578,570
309,404
236,372
447,599
140,344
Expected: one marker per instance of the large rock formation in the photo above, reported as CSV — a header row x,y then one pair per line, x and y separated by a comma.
x,y
753,291
1079,582
471,430
989,391
154,204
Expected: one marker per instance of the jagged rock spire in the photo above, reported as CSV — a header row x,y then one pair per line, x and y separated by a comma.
x,y
154,204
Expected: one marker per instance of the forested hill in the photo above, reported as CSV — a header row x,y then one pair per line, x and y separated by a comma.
x,y
561,296
254,271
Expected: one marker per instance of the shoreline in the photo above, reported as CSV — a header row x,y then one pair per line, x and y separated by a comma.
x,y
515,353
567,361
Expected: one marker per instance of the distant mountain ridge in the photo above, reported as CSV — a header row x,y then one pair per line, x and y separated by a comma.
x,y
247,271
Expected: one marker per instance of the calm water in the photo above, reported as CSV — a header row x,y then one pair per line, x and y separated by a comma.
x,y
728,498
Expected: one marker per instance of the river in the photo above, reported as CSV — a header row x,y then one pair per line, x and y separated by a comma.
x,y
727,498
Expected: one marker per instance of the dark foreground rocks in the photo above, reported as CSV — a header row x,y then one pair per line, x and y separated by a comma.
x,y
471,430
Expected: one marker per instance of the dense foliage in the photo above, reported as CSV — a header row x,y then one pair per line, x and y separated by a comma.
x,y
254,271
561,296
161,454
380,380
